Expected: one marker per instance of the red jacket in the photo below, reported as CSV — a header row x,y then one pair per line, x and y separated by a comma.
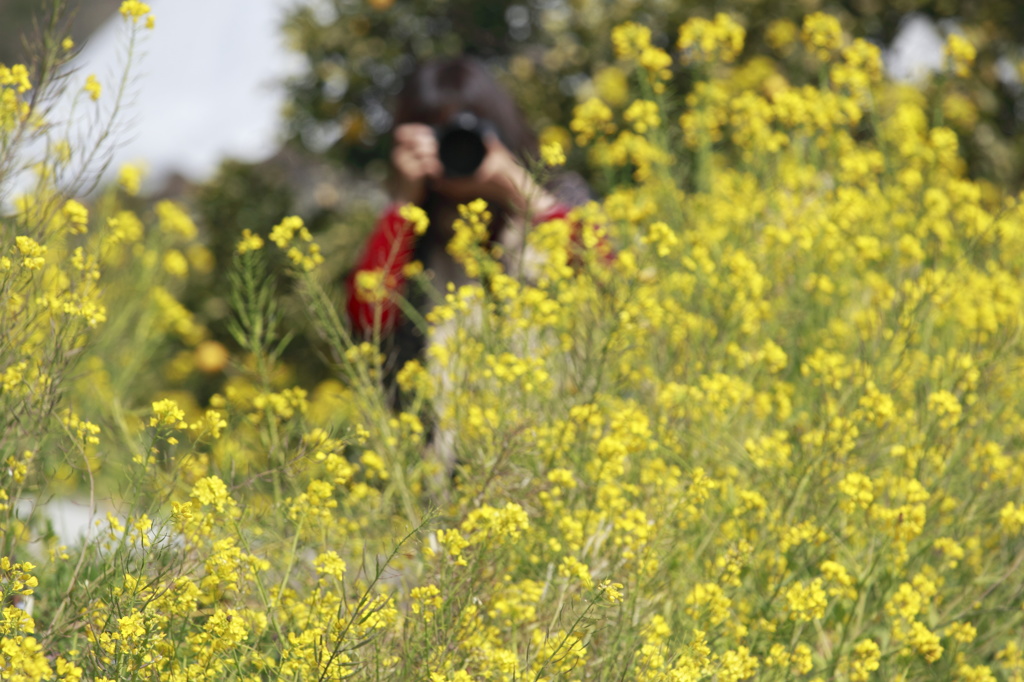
x,y
389,250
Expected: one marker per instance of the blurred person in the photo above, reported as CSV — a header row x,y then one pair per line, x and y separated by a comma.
x,y
458,135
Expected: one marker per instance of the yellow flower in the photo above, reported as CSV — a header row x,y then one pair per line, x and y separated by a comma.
x,y
1011,518
962,632
308,260
860,67
181,512
76,215
167,413
370,286
781,34
866,660
471,235
501,525
212,491
708,601
416,216
925,642
589,119
738,664
329,563
67,44
946,407
611,591
130,178
131,627
175,263
859,491
453,542
571,567
283,233
662,237
612,86
32,252
173,220
703,40
16,76
841,584
84,430
555,133
658,64
134,9
425,600
806,601
552,154
960,53
822,34
630,39
643,114
249,242
93,87
212,422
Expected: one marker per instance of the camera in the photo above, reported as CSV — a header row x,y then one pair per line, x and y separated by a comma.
x,y
460,143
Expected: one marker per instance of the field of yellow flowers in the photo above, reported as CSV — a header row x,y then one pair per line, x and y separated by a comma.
x,y
777,437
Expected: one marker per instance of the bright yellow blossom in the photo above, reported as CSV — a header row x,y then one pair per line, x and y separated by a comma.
x,y
93,87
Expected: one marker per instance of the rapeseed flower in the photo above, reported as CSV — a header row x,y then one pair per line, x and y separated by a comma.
x,y
552,154
16,77
133,9
249,242
710,41
93,87
821,34
961,54
784,415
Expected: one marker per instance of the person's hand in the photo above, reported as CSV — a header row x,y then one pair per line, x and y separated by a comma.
x,y
414,157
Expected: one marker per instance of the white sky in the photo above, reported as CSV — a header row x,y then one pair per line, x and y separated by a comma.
x,y
206,86
916,51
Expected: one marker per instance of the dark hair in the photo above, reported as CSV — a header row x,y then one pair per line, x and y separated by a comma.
x,y
439,89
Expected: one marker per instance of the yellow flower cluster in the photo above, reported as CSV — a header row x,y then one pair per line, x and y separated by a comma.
x,y
552,154
134,10
643,115
711,41
416,216
249,242
284,235
822,34
632,42
129,177
630,39
773,433
14,109
77,217
93,87
468,245
590,119
15,77
32,253
167,413
961,54
174,221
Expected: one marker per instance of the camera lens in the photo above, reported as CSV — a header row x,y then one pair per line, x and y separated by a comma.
x,y
461,146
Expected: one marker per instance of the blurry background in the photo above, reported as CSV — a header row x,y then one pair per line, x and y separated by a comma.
x,y
250,110
277,88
